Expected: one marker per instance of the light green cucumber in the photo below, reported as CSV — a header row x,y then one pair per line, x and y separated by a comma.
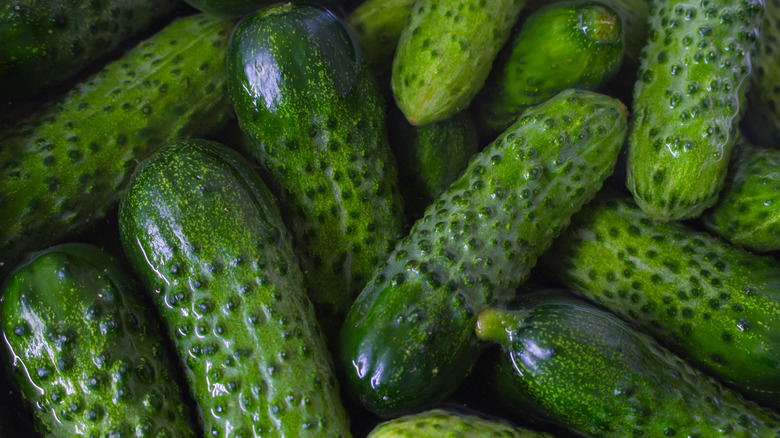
x,y
445,53
441,423
688,99
64,167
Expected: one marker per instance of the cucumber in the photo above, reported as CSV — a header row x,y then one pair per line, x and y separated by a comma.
x,y
746,213
228,8
408,340
378,25
560,46
430,157
437,423
46,42
64,167
714,304
762,119
568,361
205,235
445,52
306,98
86,352
688,100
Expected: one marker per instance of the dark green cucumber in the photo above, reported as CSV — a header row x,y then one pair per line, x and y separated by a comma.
x,y
408,341
712,303
438,423
560,46
306,97
747,210
445,52
228,8
207,238
65,166
45,42
430,157
378,25
568,361
688,100
762,119
86,352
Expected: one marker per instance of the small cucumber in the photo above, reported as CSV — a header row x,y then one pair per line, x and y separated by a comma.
x,y
568,361
408,340
762,119
46,42
747,211
712,303
560,46
445,52
378,25
306,98
87,353
206,237
439,423
64,167
688,100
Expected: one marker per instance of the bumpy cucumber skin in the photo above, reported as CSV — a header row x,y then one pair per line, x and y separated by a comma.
x,y
560,46
378,25
206,236
748,209
571,362
440,423
430,157
46,42
688,100
306,97
445,52
712,303
87,353
762,120
408,340
65,166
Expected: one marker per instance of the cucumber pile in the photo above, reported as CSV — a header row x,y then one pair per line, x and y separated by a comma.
x,y
389,218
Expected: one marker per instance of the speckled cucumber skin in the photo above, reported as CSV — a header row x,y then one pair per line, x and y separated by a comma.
x,y
440,423
560,46
430,157
206,236
86,352
408,340
64,167
762,119
688,99
378,25
46,42
748,209
306,98
712,303
574,363
445,53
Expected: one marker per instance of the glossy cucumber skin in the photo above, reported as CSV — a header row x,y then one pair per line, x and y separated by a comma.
x,y
430,157
714,304
748,210
762,119
441,423
378,25
408,340
445,52
305,96
206,236
64,167
571,362
552,52
689,97
87,354
46,42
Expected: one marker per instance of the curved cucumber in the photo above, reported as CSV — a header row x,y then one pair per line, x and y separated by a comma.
x,y
306,97
206,236
712,303
437,423
87,353
45,42
574,363
747,210
688,99
408,340
66,166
